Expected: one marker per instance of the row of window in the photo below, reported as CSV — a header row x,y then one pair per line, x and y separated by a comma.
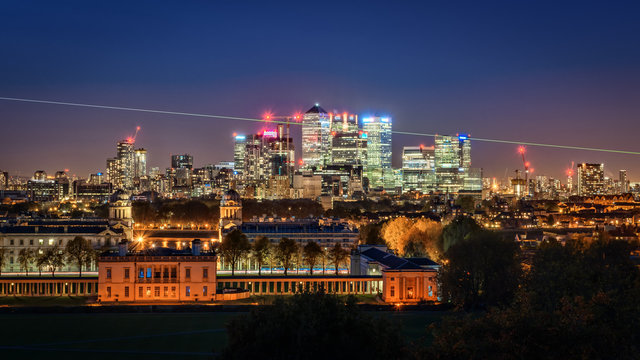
x,y
158,273
156,291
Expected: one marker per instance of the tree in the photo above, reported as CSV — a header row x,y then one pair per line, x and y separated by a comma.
x,y
41,260
370,234
3,257
25,257
460,228
311,252
337,256
260,251
234,247
481,271
394,233
578,301
80,251
54,259
312,326
415,238
466,203
285,252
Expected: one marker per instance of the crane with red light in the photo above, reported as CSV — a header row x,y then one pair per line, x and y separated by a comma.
x,y
527,168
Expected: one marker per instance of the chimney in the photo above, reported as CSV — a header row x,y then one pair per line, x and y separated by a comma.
x,y
122,247
196,246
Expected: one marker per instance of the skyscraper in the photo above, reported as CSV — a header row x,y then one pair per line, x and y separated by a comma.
x,y
348,143
120,170
418,168
239,151
378,167
316,128
590,179
624,181
452,162
140,165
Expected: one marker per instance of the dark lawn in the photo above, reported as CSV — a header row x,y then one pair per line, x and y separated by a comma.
x,y
140,336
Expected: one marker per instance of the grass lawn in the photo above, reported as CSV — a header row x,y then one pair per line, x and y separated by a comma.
x,y
43,300
141,336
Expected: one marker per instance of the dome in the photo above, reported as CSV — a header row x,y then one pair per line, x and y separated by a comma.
x,y
230,196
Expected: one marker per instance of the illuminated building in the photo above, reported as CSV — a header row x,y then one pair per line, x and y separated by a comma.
x,y
4,180
624,181
590,179
120,170
316,129
41,188
453,164
239,151
157,275
378,134
269,162
418,168
182,161
405,280
140,164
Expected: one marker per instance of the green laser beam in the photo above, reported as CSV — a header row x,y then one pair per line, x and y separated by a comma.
x,y
225,117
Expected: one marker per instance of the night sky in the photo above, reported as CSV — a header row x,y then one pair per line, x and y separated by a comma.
x,y
557,72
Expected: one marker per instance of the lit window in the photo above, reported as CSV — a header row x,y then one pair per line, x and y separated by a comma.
x,y
188,291
40,242
51,242
148,290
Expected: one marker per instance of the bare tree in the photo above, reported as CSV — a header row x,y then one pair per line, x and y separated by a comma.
x,y
80,251
260,251
234,248
311,252
55,259
25,257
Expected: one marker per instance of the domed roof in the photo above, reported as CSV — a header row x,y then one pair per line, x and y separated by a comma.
x,y
230,196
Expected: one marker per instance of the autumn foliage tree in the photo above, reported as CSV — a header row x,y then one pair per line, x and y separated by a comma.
x,y
414,238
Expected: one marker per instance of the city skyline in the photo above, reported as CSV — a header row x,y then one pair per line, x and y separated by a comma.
x,y
494,71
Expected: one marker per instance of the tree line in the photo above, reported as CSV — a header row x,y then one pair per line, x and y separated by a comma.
x,y
235,249
577,299
77,251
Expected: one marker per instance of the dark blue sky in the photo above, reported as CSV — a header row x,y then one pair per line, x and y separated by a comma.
x,y
557,72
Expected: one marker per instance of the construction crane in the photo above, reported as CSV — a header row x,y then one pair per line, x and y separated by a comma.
x,y
132,139
522,150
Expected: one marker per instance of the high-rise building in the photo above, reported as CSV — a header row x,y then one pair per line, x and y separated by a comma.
x,y
140,164
182,161
418,168
316,129
590,179
269,153
121,169
452,160
239,151
624,181
378,167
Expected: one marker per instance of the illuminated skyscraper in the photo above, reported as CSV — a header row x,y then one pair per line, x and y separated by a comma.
x,y
239,151
590,179
418,168
348,143
624,181
140,166
378,167
316,126
120,170
453,164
